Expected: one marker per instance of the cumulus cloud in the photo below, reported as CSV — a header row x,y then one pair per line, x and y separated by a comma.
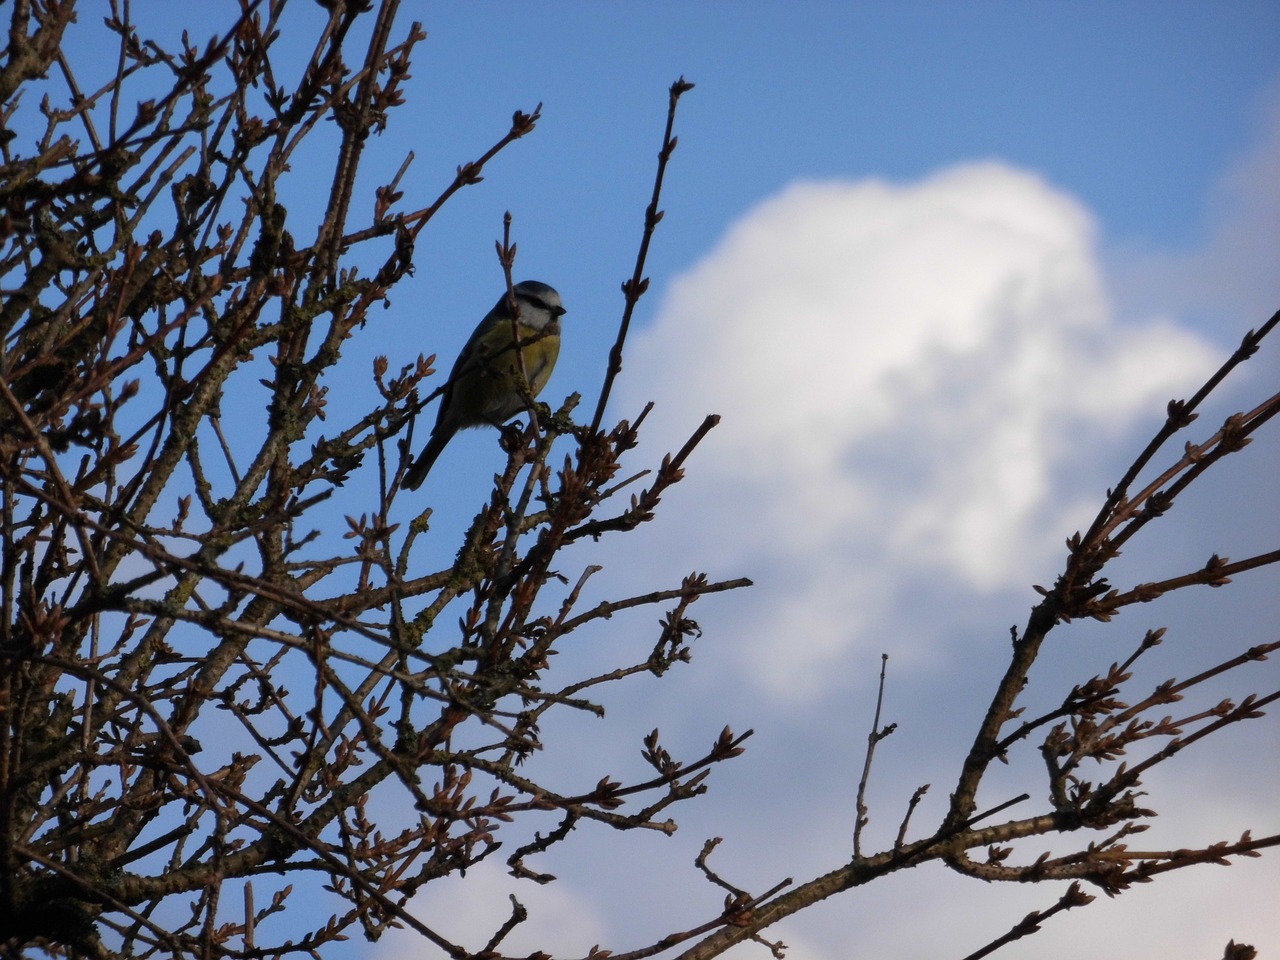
x,y
909,375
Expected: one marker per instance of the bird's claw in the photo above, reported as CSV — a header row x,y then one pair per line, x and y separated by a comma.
x,y
512,437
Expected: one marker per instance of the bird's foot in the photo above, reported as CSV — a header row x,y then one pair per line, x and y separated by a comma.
x,y
512,437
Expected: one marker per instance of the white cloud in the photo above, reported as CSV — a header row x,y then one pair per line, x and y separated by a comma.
x,y
925,387
907,373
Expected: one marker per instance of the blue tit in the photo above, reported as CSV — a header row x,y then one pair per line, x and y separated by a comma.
x,y
484,386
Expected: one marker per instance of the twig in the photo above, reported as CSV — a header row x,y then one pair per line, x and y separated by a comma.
x,y
873,738
1074,897
914,802
634,289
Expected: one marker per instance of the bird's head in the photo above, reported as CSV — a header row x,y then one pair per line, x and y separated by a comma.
x,y
539,304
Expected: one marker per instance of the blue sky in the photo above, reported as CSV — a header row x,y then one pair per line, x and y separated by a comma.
x,y
1129,106
1114,163
1135,110
940,266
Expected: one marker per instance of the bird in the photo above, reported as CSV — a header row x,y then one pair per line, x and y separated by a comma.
x,y
484,386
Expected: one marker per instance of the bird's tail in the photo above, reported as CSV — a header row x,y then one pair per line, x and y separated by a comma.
x,y
419,469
